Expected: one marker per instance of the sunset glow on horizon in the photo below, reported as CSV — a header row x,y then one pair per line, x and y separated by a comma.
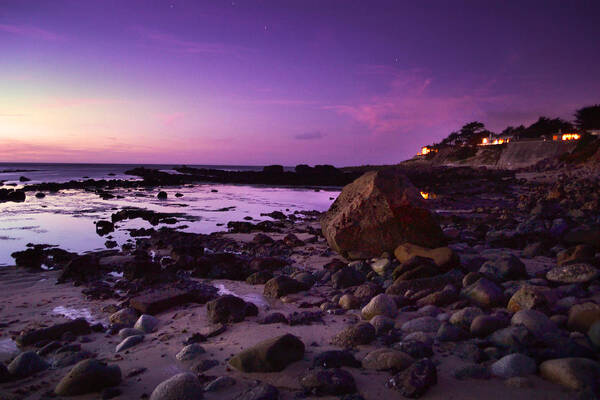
x,y
262,82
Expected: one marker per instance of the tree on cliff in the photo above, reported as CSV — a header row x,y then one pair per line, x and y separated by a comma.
x,y
588,117
470,134
546,126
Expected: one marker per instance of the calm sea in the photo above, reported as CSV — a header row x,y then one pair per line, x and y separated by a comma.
x,y
67,218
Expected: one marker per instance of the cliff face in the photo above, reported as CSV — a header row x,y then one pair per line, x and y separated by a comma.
x,y
524,154
512,155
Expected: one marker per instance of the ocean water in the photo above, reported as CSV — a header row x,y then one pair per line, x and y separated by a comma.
x,y
67,218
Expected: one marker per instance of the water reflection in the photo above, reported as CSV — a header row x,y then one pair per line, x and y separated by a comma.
x,y
67,218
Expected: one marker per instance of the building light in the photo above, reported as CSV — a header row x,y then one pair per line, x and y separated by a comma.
x,y
570,136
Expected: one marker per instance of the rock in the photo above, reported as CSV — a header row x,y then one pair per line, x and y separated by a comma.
x,y
184,386
346,277
594,334
271,355
66,358
126,332
382,324
262,391
375,213
282,285
126,317
574,373
421,324
400,288
359,334
26,364
512,365
381,266
274,318
77,326
447,295
504,268
572,273
414,349
536,322
583,316
349,302
387,359
129,342
227,308
162,195
336,359
415,380
443,257
465,316
484,325
146,323
451,333
518,337
158,300
259,278
578,254
88,376
324,382
528,297
381,304
204,365
104,227
40,195
484,293
190,352
221,382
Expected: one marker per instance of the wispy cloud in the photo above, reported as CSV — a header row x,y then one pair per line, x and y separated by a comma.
x,y
173,43
315,135
11,115
410,104
170,119
31,32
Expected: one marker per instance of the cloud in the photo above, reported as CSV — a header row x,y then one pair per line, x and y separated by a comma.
x,y
171,42
31,32
315,135
12,115
411,104
171,118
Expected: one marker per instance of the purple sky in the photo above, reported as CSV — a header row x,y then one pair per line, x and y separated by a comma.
x,y
258,82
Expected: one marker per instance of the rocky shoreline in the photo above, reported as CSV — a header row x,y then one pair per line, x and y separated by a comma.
x,y
488,288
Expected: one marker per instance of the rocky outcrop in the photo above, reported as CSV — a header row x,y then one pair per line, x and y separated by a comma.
x,y
376,213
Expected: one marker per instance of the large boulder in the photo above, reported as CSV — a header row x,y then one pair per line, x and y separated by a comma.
x,y
88,376
271,355
376,213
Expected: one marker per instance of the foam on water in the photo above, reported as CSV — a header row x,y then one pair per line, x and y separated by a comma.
x,y
74,313
255,298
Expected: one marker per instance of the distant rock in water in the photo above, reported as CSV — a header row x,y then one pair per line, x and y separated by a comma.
x,y
376,213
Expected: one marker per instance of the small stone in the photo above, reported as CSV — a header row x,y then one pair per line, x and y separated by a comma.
x,y
415,380
336,359
88,376
574,373
387,359
26,364
221,382
190,352
146,323
536,322
484,325
583,316
262,391
515,364
528,298
184,386
126,332
126,317
349,302
572,273
421,324
484,293
465,317
271,355
381,304
129,342
359,334
323,382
